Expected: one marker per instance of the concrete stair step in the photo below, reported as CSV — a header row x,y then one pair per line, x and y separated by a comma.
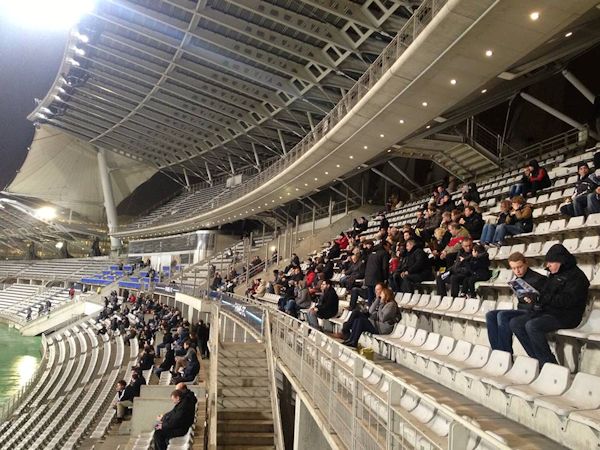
x,y
242,438
245,392
244,414
243,362
245,447
246,425
245,381
243,372
245,402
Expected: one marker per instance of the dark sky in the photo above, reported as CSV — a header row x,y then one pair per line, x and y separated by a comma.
x,y
29,62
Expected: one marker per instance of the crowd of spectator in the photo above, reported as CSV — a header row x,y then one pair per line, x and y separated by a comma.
x,y
448,243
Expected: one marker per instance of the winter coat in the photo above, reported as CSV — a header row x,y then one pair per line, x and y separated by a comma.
x,y
416,262
328,304
479,266
384,316
565,294
376,269
474,225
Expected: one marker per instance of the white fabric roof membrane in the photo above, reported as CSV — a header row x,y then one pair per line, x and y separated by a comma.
x,y
64,170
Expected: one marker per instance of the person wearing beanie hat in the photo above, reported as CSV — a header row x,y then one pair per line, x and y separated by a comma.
x,y
560,305
577,203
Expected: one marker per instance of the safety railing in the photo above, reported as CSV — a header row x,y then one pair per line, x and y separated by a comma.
x,y
359,403
213,391
568,140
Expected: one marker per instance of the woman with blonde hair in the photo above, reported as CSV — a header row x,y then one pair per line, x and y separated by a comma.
x,y
383,315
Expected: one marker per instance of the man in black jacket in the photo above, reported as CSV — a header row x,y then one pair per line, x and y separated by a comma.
x,y
414,268
124,399
458,272
355,271
326,308
472,221
584,186
498,320
377,268
561,304
174,423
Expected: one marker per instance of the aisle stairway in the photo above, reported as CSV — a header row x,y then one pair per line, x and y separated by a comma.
x,y
245,417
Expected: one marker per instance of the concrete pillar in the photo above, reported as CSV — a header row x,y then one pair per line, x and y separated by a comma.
x,y
307,433
109,202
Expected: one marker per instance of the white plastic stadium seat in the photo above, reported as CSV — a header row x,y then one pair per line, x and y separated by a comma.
x,y
552,380
523,372
584,393
590,326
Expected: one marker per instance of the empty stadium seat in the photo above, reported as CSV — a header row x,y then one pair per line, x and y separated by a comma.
x,y
552,380
584,393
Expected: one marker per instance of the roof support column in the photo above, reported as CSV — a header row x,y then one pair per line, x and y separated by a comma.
x,y
579,86
109,202
281,141
187,180
556,113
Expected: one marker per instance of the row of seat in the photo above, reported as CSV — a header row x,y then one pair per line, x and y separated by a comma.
x,y
542,400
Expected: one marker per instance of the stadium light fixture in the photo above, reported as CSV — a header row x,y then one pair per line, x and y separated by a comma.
x,y
569,34
489,53
452,81
326,173
424,104
401,121
351,157
535,15
53,15
483,91
59,245
337,165
382,135
45,213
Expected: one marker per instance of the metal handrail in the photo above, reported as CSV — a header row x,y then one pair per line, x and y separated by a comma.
x,y
279,444
213,391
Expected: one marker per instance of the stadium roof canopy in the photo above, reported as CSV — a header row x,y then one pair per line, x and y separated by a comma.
x,y
213,86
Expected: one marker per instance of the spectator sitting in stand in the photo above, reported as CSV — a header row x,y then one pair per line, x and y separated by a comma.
x,y
327,306
498,328
534,178
383,316
167,363
414,268
519,220
458,234
123,399
443,200
174,423
487,234
355,271
479,270
472,221
301,300
578,202
561,304
455,274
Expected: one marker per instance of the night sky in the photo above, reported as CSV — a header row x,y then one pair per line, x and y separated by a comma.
x,y
29,62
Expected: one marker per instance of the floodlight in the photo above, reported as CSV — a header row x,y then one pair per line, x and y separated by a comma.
x,y
59,245
45,213
44,14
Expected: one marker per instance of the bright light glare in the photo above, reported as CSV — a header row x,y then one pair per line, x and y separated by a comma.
x,y
59,245
44,14
46,213
25,367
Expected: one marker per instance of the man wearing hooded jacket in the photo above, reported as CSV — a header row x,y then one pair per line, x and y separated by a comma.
x,y
561,304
